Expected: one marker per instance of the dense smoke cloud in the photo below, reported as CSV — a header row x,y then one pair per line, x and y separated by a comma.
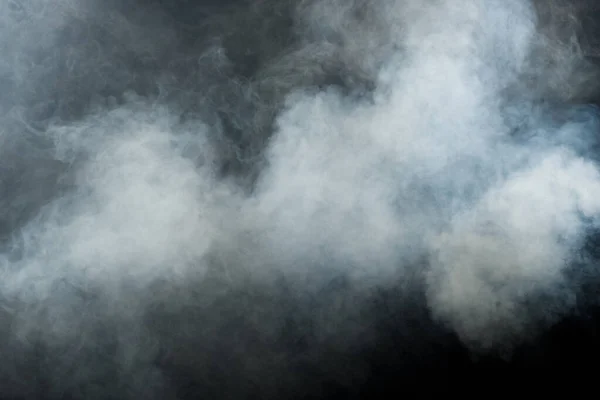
x,y
215,194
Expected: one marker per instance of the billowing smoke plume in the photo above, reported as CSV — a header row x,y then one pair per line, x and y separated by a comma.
x,y
219,191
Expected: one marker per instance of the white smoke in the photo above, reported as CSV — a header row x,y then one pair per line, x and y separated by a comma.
x,y
425,167
429,167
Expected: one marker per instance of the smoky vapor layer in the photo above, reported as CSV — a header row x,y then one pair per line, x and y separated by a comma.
x,y
252,199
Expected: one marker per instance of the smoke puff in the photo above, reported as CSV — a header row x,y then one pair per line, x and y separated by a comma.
x,y
436,121
512,244
163,168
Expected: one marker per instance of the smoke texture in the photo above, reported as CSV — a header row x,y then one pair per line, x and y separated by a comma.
x,y
280,199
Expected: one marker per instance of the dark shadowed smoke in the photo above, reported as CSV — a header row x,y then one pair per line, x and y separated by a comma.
x,y
292,199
